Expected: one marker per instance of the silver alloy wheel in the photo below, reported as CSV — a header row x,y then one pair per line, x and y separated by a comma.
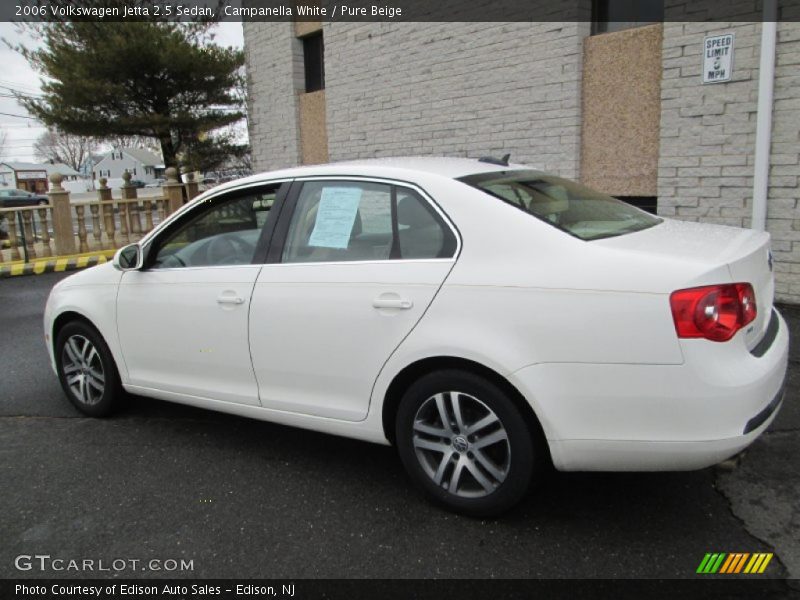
x,y
83,369
461,444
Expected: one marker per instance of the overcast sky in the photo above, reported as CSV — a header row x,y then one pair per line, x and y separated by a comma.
x,y
17,75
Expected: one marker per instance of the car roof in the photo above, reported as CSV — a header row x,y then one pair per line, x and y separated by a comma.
x,y
446,166
397,167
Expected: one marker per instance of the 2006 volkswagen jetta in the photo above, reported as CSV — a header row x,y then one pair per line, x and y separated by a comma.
x,y
486,319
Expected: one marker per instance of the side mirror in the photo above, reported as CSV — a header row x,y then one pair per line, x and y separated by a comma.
x,y
129,258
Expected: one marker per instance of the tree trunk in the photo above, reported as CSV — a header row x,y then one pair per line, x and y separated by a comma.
x,y
168,151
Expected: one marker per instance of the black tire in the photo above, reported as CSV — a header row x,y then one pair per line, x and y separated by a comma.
x,y
509,481
97,404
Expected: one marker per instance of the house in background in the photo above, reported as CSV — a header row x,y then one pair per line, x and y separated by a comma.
x,y
68,172
31,177
89,164
73,181
142,164
34,177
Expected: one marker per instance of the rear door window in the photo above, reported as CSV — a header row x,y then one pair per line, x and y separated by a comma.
x,y
364,221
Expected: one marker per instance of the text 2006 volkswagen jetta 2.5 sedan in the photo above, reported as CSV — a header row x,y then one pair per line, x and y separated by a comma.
x,y
486,319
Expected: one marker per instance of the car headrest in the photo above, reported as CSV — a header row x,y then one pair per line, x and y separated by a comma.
x,y
551,199
411,213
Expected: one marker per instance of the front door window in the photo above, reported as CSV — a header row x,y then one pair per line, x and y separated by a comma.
x,y
225,233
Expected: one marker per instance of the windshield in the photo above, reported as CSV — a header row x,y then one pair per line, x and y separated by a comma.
x,y
567,205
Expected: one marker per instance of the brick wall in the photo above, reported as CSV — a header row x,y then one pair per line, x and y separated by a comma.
x,y
455,89
274,60
708,138
490,88
783,205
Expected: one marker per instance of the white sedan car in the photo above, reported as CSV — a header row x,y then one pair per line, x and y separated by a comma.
x,y
486,319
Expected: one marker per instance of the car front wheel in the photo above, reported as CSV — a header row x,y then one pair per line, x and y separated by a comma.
x,y
465,443
86,370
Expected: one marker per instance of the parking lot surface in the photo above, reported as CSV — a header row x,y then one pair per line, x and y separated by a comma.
x,y
242,498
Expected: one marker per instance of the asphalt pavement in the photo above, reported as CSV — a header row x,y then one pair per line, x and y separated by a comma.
x,y
242,498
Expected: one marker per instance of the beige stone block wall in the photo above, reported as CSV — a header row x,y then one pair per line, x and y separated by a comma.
x,y
313,128
622,111
304,28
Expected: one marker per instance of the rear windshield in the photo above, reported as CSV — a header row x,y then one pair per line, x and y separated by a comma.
x,y
567,205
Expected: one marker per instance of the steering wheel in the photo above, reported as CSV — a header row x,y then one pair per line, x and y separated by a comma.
x,y
170,261
229,249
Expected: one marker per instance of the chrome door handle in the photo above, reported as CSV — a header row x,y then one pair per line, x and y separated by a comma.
x,y
230,300
392,301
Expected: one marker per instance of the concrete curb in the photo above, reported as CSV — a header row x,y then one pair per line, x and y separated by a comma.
x,y
56,264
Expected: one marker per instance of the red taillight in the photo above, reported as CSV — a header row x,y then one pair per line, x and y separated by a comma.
x,y
713,312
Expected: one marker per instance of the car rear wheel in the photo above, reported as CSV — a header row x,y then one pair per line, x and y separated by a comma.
x,y
465,443
86,370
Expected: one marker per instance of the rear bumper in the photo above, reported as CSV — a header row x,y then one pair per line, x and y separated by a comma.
x,y
614,417
612,455
766,414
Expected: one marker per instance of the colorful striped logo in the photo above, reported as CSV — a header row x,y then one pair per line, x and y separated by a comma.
x,y
734,562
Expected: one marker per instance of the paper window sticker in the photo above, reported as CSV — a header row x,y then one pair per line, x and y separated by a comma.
x,y
336,215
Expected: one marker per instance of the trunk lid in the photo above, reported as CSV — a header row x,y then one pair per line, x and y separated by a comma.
x,y
745,253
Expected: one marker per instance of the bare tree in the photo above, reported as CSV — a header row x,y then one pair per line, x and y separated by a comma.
x,y
3,137
72,150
